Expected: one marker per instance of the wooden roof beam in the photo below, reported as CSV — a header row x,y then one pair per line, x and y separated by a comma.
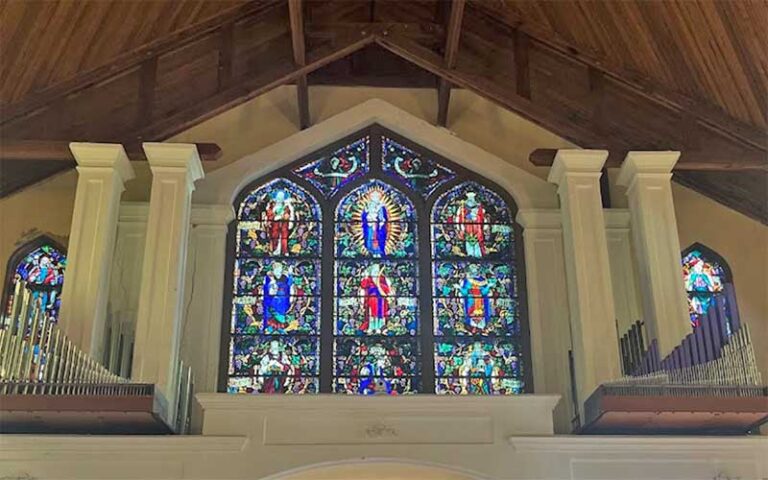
x,y
296,16
53,150
453,33
689,160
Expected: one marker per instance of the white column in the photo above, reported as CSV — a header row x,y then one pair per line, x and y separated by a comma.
x,y
204,292
175,168
588,271
626,292
647,177
548,315
126,281
102,170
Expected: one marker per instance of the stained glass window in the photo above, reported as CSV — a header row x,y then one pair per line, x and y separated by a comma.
x,y
331,172
376,298
373,267
42,268
276,292
705,279
475,295
416,171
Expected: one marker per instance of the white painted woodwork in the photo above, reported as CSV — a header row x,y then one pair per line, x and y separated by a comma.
x,y
175,168
102,170
647,176
588,271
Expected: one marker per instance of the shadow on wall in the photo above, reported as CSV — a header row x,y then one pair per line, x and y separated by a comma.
x,y
375,469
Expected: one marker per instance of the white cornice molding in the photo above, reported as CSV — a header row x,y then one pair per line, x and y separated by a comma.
x,y
14,446
572,161
182,156
133,212
223,185
421,403
640,444
540,219
212,214
618,218
646,163
102,155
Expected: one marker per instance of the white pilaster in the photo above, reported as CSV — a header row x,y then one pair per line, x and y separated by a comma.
x,y
647,177
626,292
588,271
204,291
548,315
102,170
175,168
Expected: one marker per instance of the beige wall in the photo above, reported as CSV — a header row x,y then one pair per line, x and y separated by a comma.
x,y
47,207
44,209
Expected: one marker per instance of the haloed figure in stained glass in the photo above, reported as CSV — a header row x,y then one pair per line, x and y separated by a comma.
x,y
275,366
374,219
375,288
278,291
470,217
279,217
476,290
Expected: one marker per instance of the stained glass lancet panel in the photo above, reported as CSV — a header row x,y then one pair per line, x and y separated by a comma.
x,y
331,172
475,294
276,292
704,279
416,171
43,271
376,346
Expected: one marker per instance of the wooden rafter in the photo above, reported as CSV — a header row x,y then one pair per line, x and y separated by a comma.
x,y
296,14
58,151
452,36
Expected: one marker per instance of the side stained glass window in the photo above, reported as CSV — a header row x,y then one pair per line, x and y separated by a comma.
x,y
706,280
330,173
374,267
276,292
475,294
376,293
42,269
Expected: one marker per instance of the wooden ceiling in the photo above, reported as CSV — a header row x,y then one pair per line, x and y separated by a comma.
x,y
684,75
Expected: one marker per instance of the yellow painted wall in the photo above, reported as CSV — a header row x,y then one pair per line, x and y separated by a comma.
x,y
47,207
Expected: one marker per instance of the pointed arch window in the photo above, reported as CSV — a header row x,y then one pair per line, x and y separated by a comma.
x,y
40,264
374,266
709,286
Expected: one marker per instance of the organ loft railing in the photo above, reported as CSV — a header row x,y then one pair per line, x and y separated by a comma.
x,y
38,360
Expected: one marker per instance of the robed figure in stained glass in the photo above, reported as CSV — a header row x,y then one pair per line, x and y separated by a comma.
x,y
375,288
279,217
475,289
275,366
374,223
278,288
470,217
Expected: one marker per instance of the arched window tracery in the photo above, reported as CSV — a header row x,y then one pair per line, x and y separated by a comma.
x,y
709,286
375,267
40,264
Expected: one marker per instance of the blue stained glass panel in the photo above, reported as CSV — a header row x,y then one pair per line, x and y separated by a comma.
x,y
276,278
377,356
288,315
474,366
43,271
383,277
274,384
357,316
331,172
467,279
704,279
418,172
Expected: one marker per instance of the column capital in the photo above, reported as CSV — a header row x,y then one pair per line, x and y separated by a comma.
x,y
212,214
636,163
102,155
183,156
540,219
576,161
